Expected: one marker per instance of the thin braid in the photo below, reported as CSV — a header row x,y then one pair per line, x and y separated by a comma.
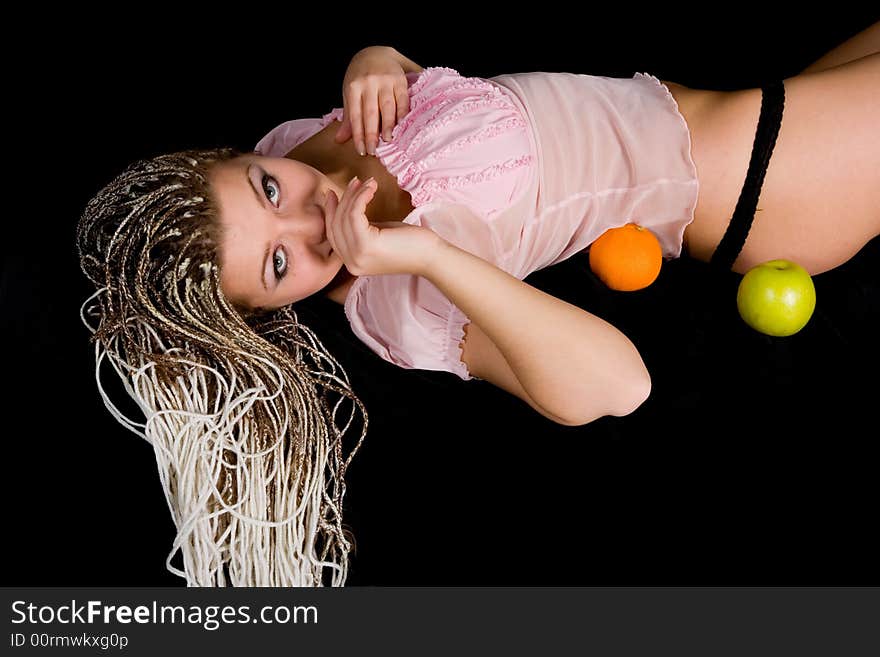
x,y
240,407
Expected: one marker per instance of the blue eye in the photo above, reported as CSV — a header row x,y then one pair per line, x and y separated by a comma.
x,y
280,275
263,183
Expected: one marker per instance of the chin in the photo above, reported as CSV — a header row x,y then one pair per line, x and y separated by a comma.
x,y
338,278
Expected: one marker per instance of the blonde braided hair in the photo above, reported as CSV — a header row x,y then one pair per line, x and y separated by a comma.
x,y
249,453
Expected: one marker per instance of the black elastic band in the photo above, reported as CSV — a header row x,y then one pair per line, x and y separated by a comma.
x,y
769,122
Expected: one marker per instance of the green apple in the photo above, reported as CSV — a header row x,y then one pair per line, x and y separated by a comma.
x,y
776,297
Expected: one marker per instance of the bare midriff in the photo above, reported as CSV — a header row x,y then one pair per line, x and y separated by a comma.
x,y
697,106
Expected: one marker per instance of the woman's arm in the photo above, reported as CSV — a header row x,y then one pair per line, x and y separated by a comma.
x,y
408,65
375,84
569,362
866,42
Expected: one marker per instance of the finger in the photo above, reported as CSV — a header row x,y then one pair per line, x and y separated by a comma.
x,y
355,122
356,199
401,95
345,230
330,207
388,107
365,194
343,134
371,123
357,225
338,134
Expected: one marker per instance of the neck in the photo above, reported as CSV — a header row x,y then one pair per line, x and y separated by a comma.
x,y
341,162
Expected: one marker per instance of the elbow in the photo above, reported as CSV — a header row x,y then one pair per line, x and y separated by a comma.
x,y
637,394
632,396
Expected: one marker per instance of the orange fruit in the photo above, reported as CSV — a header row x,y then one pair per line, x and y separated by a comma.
x,y
626,258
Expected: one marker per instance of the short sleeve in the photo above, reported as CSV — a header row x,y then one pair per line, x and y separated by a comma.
x,y
283,138
405,318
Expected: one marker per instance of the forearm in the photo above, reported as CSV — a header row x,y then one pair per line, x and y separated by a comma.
x,y
571,362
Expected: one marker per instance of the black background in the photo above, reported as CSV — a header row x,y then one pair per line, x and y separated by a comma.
x,y
752,463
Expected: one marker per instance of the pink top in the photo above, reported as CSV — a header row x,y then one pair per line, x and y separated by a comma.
x,y
522,170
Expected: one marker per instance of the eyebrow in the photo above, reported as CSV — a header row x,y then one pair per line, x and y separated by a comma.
x,y
262,202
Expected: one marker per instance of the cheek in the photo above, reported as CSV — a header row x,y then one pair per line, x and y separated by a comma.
x,y
228,290
310,258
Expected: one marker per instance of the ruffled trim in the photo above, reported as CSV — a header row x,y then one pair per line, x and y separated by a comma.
x,y
430,73
351,296
454,336
432,188
692,204
478,137
428,109
334,115
435,124
416,100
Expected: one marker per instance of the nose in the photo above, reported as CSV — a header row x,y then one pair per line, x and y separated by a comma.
x,y
307,224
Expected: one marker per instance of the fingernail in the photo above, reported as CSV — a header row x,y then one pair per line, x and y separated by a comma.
x,y
361,149
388,136
371,149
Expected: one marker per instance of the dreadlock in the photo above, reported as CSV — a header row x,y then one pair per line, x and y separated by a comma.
x,y
239,404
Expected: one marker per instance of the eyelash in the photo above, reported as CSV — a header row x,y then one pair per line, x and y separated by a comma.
x,y
262,182
274,255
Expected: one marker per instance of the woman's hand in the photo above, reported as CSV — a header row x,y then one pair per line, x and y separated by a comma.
x,y
386,247
374,84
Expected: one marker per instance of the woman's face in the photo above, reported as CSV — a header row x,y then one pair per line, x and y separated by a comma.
x,y
276,250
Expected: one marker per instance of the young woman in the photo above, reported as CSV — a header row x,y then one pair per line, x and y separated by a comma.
x,y
199,258
609,151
